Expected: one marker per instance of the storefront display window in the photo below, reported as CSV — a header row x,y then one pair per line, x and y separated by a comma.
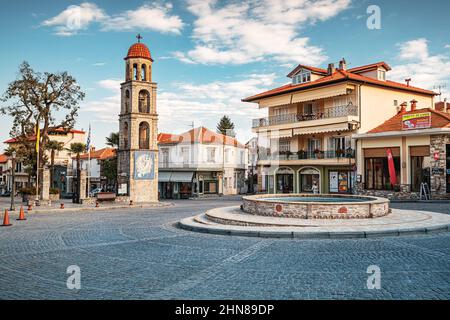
x,y
377,173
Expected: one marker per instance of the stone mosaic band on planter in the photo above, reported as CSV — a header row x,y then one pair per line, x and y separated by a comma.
x,y
316,206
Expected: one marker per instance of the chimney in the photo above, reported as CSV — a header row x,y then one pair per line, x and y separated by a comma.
x,y
408,81
343,65
402,108
413,105
331,69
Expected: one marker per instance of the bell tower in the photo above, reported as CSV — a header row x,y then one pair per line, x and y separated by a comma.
x,y
137,156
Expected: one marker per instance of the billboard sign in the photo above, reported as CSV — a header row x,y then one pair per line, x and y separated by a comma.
x,y
416,121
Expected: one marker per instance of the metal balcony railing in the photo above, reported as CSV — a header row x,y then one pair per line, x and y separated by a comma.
x,y
333,112
305,155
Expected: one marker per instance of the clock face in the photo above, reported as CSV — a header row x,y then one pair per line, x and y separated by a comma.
x,y
144,165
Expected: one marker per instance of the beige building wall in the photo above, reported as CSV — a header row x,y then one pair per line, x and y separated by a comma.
x,y
377,104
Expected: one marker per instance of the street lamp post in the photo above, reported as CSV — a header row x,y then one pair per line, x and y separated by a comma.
x,y
13,175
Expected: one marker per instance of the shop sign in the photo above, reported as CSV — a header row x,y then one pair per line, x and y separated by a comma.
x,y
122,189
416,121
437,171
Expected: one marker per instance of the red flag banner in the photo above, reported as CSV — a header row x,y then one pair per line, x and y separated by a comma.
x,y
391,166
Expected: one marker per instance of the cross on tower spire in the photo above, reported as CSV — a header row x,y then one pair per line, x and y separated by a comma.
x,y
139,37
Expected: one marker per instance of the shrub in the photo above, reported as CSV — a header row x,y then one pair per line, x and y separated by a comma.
x,y
54,191
29,191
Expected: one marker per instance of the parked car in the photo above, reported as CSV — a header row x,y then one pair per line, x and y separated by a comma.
x,y
95,191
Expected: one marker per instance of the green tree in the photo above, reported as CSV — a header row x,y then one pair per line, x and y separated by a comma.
x,y
35,98
77,148
226,127
53,146
109,170
113,140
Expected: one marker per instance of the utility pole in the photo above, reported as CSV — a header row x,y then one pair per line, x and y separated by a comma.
x,y
13,178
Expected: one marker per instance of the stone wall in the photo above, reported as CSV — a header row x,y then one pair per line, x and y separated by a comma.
x,y
403,194
438,184
257,205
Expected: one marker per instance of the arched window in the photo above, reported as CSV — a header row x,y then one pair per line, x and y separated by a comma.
x,y
125,135
135,72
144,136
127,72
127,101
144,72
144,101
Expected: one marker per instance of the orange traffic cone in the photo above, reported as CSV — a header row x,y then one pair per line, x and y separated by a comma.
x,y
6,219
21,215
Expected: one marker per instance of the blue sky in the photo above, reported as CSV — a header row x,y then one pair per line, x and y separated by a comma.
x,y
210,54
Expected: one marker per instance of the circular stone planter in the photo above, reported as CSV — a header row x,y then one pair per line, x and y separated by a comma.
x,y
316,206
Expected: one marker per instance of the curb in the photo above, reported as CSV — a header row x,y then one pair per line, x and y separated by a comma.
x,y
135,206
190,225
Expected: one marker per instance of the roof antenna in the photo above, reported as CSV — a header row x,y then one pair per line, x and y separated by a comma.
x,y
439,87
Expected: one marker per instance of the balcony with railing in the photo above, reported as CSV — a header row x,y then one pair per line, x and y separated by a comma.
x,y
307,155
327,113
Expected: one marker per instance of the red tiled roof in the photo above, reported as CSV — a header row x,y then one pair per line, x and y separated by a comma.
x,y
370,66
139,50
3,158
200,135
438,120
312,69
337,76
168,138
33,137
101,154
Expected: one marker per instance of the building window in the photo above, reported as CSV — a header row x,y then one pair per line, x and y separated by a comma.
x,y
381,75
144,136
377,173
144,72
227,155
420,172
165,157
313,145
127,101
284,145
302,77
211,155
185,155
144,101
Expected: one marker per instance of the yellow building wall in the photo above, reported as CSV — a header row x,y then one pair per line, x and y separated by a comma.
x,y
377,104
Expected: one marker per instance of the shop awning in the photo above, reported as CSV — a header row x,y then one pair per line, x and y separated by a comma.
x,y
321,129
164,176
322,93
181,176
281,134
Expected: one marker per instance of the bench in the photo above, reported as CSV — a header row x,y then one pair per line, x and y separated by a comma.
x,y
106,196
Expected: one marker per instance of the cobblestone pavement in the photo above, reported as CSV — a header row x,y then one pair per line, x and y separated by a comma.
x,y
139,254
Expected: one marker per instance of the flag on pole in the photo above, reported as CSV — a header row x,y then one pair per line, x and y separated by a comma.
x,y
391,167
38,136
88,142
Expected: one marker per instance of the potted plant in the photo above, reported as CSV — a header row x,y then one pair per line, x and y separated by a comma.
x,y
339,152
301,154
54,194
27,193
288,154
318,153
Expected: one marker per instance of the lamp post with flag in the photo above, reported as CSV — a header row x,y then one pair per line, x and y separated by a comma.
x,y
38,139
88,150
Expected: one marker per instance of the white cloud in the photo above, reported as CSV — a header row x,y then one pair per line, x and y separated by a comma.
x,y
424,68
155,17
99,64
243,32
75,18
108,108
147,17
447,46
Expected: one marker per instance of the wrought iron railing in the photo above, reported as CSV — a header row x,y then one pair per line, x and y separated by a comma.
x,y
301,155
333,112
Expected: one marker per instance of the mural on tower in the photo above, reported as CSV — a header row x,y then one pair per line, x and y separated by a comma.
x,y
144,165
138,127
